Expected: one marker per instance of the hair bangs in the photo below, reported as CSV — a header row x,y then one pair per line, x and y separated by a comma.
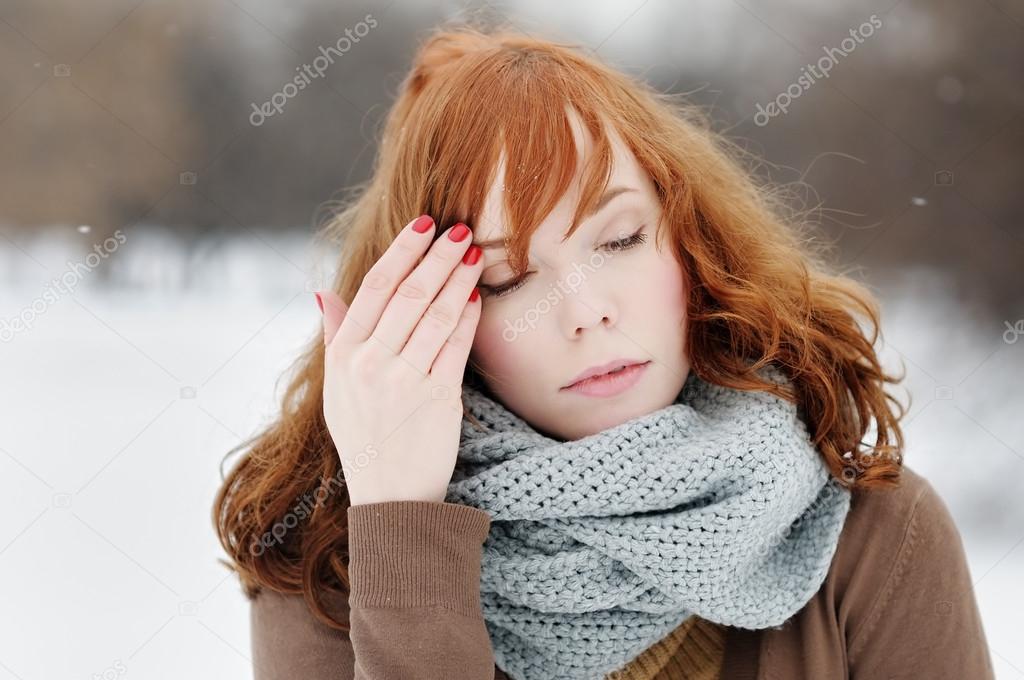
x,y
523,101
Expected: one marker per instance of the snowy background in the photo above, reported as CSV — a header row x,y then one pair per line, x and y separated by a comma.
x,y
108,471
122,395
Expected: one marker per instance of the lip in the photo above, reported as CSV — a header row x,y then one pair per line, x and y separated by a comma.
x,y
596,381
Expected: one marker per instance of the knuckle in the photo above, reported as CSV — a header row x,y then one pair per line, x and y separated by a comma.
x,y
365,366
407,247
460,340
441,314
375,279
435,260
465,331
441,254
412,290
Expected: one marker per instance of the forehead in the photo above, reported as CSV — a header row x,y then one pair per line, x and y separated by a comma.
x,y
492,222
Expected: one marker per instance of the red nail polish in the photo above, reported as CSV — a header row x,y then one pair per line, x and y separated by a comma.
x,y
319,302
458,232
472,255
474,295
422,223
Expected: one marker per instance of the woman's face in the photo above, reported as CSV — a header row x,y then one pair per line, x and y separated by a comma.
x,y
583,303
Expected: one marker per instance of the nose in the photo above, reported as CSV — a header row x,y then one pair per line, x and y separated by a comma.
x,y
586,307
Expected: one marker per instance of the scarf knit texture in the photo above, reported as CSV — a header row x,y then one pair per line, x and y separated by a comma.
x,y
717,505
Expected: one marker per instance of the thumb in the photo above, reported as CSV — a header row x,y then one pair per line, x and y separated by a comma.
x,y
334,310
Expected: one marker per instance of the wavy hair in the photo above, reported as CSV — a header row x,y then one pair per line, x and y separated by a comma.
x,y
759,288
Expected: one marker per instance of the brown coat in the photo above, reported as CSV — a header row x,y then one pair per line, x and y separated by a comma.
x,y
897,603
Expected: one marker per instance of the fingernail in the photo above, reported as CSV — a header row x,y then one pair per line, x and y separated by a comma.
x,y
472,255
474,294
458,232
422,223
319,302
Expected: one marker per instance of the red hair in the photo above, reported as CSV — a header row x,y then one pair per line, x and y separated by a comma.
x,y
758,293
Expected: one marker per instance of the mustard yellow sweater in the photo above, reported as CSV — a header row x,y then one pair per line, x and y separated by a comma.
x,y
694,651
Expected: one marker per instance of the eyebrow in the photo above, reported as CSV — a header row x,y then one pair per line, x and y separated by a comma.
x,y
601,204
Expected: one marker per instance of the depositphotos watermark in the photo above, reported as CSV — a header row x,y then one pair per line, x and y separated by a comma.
x,y
811,73
1013,331
115,670
319,67
62,285
311,501
528,320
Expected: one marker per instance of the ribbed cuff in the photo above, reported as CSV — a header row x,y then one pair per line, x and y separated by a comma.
x,y
415,554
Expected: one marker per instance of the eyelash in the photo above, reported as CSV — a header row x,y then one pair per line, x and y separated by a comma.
x,y
616,246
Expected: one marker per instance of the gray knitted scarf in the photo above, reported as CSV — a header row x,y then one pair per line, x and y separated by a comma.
x,y
717,505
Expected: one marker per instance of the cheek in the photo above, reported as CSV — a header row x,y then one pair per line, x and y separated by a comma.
x,y
663,289
491,350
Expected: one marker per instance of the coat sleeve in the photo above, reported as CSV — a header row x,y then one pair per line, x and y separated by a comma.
x,y
923,620
413,607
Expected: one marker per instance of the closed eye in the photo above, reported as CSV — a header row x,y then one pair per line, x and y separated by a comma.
x,y
502,289
628,242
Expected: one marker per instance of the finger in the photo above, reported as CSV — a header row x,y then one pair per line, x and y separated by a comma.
x,y
383,278
451,361
334,311
418,290
444,313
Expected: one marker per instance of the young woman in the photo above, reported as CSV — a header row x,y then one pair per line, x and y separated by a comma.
x,y
598,412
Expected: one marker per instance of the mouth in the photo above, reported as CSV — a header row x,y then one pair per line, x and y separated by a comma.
x,y
605,372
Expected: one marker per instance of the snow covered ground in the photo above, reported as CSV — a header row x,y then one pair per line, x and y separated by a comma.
x,y
122,397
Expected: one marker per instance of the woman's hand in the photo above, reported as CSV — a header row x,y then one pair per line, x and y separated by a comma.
x,y
394,363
